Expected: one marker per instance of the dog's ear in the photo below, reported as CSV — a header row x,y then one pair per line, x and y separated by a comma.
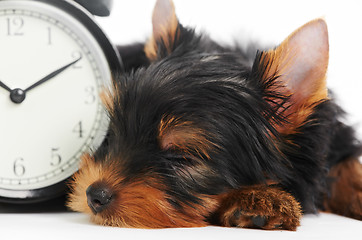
x,y
296,69
166,30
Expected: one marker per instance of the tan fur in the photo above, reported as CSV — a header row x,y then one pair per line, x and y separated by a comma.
x,y
346,189
310,87
140,204
183,135
165,26
106,98
280,208
89,173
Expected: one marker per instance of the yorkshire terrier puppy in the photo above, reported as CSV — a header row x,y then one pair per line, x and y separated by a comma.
x,y
201,134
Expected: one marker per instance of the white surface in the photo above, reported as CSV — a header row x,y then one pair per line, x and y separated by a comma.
x,y
76,226
269,22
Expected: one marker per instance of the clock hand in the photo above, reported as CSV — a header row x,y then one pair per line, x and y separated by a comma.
x,y
51,75
16,95
3,85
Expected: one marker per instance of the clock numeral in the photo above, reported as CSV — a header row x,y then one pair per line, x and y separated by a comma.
x,y
78,129
18,167
15,26
77,55
91,96
56,158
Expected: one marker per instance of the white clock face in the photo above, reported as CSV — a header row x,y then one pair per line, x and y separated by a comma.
x,y
43,135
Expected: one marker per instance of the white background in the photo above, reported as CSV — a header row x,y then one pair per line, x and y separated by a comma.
x,y
267,22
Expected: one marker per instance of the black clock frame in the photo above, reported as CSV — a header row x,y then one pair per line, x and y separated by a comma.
x,y
116,66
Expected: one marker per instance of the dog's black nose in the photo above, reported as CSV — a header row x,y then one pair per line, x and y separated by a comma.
x,y
98,197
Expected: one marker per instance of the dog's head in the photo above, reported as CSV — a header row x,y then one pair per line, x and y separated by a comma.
x,y
196,122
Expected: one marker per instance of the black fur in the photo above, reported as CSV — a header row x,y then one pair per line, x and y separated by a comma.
x,y
218,90
133,56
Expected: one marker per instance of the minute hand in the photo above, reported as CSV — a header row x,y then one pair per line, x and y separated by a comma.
x,y
51,75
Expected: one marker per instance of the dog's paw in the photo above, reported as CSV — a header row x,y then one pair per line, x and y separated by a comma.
x,y
259,207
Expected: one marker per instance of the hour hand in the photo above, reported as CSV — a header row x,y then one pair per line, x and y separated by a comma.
x,y
3,85
51,75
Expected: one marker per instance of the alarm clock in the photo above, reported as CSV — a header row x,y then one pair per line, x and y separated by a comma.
x,y
54,63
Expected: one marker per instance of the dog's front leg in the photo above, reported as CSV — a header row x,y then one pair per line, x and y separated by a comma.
x,y
259,206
